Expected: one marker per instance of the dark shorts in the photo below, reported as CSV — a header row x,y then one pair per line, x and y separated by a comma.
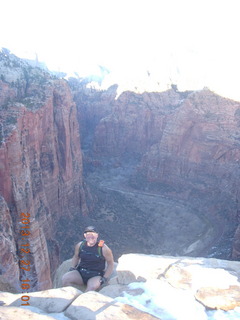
x,y
88,274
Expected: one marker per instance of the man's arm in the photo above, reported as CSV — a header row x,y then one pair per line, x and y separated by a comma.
x,y
107,253
75,258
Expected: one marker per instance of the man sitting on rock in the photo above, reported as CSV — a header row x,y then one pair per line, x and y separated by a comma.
x,y
89,262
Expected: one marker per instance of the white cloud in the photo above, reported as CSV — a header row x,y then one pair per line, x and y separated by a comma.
x,y
191,42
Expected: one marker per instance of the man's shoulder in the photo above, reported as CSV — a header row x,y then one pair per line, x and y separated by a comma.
x,y
105,247
79,244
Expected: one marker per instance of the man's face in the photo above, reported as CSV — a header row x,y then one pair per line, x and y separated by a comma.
x,y
91,238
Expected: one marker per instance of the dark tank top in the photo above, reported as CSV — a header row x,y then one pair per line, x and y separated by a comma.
x,y
90,258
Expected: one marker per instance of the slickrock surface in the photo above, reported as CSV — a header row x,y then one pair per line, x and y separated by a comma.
x,y
206,284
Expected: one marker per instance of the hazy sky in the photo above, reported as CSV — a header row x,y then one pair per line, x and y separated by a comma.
x,y
151,43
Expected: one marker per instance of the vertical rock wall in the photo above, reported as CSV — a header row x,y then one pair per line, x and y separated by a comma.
x,y
41,168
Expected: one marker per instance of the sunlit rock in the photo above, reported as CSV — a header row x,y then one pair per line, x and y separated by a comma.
x,y
13,313
217,298
54,300
93,305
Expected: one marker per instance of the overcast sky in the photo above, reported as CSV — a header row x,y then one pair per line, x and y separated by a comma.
x,y
191,43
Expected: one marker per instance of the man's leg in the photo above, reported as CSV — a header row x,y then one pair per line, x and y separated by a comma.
x,y
93,283
72,277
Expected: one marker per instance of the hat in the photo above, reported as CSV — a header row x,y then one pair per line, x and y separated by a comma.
x,y
90,229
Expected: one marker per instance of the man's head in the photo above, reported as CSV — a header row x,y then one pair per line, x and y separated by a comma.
x,y
91,235
90,229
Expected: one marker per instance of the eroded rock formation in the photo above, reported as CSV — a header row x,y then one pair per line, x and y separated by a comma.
x,y
41,167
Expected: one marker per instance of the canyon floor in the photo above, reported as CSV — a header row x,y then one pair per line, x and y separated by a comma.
x,y
132,220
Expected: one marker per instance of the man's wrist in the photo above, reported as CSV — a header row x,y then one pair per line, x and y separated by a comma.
x,y
104,280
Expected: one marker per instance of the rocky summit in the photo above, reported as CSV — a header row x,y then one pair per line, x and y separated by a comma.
x,y
156,172
143,287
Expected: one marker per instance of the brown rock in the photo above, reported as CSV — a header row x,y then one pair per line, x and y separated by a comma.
x,y
216,298
192,274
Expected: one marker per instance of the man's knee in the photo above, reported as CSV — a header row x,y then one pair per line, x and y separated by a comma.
x,y
71,278
93,284
65,280
68,278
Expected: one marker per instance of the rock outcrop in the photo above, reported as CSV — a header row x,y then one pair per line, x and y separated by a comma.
x,y
145,287
41,169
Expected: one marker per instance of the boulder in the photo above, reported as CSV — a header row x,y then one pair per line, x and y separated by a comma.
x,y
6,298
216,298
95,306
131,267
118,290
54,300
13,313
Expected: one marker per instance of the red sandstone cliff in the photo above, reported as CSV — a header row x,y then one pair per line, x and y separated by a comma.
x,y
189,148
41,168
136,122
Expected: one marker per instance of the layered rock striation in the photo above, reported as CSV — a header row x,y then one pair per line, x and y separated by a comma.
x,y
41,169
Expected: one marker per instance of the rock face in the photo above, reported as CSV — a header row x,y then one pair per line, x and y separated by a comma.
x,y
41,169
9,274
136,122
145,287
198,157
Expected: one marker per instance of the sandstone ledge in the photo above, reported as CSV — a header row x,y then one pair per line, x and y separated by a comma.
x,y
200,278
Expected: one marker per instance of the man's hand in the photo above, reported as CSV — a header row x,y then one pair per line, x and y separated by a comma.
x,y
103,280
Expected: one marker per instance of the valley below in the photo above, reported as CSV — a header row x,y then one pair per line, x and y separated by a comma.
x,y
132,220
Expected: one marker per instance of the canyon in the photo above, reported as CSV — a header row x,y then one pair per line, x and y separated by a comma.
x,y
166,163
156,172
